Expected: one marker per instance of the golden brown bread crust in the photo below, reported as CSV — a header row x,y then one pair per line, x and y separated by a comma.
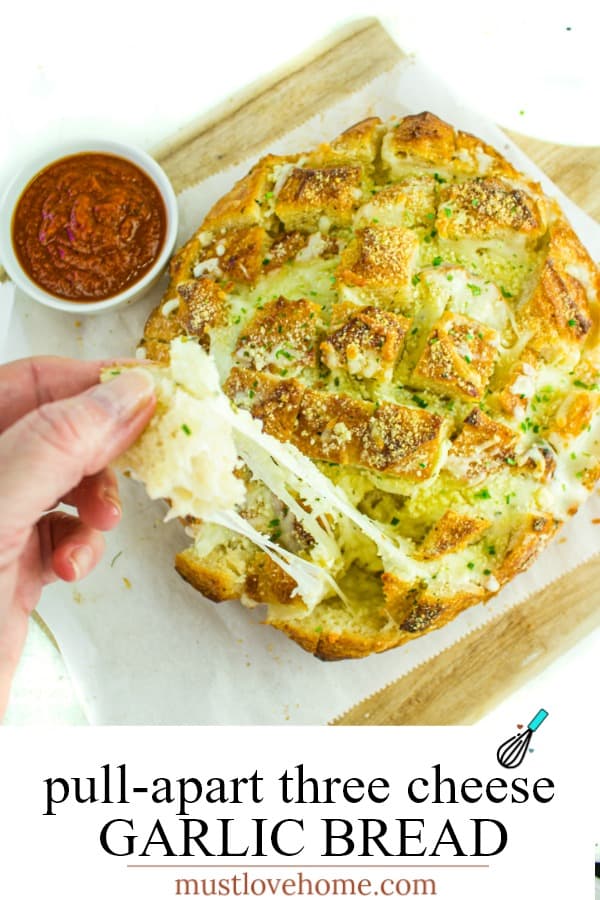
x,y
413,314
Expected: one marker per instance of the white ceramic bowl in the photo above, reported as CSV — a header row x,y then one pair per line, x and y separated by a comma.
x,y
18,184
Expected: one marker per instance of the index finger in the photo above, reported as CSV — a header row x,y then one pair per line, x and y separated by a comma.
x,y
28,383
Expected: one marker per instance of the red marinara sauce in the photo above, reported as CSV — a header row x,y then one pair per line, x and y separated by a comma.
x,y
89,226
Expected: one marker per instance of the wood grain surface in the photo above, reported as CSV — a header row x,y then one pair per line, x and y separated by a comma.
x,y
486,666
270,108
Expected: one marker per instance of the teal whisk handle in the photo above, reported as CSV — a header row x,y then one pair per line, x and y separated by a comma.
x,y
537,720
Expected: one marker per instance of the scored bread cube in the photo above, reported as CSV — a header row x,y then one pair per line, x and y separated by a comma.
x,y
193,308
284,248
402,441
307,195
408,203
452,532
425,142
367,344
204,306
331,427
560,309
281,337
275,401
522,543
242,205
488,208
482,446
381,260
409,604
458,357
236,255
359,143
424,139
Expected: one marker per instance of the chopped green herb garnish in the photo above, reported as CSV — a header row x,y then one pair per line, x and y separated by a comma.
x,y
423,404
505,293
483,494
437,260
475,202
572,323
439,178
470,565
186,429
475,289
266,261
273,523
447,211
510,461
416,279
395,521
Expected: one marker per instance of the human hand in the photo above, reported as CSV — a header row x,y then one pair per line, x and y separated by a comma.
x,y
59,430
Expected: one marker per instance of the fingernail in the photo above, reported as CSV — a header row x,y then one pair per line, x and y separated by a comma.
x,y
111,499
127,394
81,560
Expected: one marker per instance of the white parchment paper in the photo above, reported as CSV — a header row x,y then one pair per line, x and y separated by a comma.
x,y
141,645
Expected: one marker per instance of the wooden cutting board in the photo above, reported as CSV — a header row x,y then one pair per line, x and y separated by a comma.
x,y
486,666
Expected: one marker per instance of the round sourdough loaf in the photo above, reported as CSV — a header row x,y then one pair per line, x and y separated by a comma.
x,y
415,316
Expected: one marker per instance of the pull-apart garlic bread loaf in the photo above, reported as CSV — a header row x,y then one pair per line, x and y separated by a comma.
x,y
418,325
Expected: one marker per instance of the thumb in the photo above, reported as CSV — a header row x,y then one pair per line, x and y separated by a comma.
x,y
47,452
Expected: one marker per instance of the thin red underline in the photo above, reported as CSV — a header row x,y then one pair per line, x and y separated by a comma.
x,y
302,866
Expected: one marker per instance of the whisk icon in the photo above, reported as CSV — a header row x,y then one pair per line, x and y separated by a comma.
x,y
512,752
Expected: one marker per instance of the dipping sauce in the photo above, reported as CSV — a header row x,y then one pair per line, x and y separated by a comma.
x,y
89,226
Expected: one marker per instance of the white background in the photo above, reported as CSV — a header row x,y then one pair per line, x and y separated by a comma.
x,y
546,857
139,71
